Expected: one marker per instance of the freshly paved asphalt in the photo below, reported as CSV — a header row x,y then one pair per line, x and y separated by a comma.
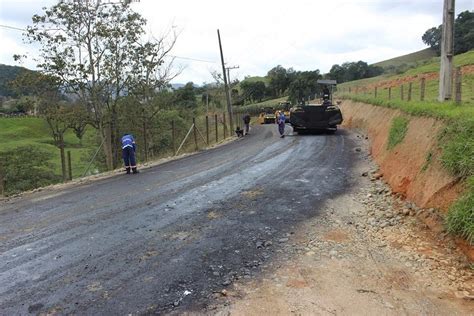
x,y
166,239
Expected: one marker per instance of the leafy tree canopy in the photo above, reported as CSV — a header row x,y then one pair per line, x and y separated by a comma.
x,y
463,34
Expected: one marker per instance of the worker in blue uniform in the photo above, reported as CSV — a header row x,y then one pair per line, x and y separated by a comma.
x,y
281,123
128,153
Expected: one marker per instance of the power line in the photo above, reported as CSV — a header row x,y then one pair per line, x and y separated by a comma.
x,y
174,56
194,59
12,27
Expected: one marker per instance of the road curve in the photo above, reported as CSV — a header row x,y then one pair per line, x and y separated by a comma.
x,y
169,237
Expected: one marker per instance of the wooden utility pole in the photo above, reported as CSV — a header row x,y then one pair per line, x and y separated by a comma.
x,y
195,135
173,136
447,52
207,129
226,87
230,83
69,165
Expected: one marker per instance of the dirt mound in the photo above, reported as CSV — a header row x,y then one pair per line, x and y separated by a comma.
x,y
412,168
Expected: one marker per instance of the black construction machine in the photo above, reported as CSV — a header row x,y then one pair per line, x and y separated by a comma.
x,y
324,116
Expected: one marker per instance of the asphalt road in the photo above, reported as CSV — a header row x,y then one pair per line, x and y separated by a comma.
x,y
168,238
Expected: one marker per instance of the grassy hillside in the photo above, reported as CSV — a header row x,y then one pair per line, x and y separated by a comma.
x,y
8,74
31,131
415,57
429,70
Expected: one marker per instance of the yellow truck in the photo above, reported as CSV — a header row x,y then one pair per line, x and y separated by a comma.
x,y
267,116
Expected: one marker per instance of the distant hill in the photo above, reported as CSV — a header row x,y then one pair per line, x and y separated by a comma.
x,y
8,74
411,58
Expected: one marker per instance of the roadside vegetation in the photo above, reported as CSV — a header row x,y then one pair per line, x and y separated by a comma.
x,y
397,131
456,141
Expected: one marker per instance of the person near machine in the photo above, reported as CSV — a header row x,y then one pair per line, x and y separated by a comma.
x,y
281,124
326,93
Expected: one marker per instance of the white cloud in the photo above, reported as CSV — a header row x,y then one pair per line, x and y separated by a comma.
x,y
258,35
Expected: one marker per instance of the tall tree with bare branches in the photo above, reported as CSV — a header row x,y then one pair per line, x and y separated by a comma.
x,y
93,49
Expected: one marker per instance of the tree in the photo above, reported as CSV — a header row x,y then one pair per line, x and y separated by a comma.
x,y
78,120
58,117
278,80
186,96
463,34
432,38
337,73
253,90
94,50
304,86
349,71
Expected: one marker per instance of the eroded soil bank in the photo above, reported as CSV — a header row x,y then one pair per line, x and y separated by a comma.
x,y
412,168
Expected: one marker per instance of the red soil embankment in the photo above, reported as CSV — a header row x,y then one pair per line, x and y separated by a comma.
x,y
412,167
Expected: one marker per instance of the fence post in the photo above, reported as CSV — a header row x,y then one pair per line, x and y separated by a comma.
x,y
217,128
375,92
2,183
173,136
422,89
401,93
69,164
207,129
409,91
225,126
389,93
195,134
457,85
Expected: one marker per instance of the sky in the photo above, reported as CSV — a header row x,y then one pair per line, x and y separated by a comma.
x,y
259,35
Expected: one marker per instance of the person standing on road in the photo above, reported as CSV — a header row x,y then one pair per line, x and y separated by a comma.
x,y
281,124
246,119
128,153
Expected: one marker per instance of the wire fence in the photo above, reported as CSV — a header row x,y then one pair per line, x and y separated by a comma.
x,y
168,138
422,87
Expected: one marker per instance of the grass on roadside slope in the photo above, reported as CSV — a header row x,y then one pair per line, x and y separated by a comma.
x,y
460,218
397,131
456,140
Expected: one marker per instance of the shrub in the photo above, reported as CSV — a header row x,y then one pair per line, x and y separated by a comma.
x,y
26,168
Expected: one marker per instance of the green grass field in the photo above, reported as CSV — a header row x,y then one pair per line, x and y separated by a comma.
x,y
31,131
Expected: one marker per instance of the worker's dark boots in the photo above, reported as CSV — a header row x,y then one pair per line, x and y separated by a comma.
x,y
128,170
134,170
